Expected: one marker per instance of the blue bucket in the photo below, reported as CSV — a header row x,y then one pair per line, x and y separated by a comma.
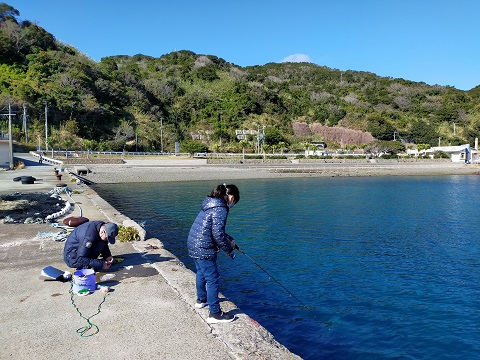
x,y
84,282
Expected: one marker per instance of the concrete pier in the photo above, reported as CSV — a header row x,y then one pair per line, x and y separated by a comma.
x,y
149,313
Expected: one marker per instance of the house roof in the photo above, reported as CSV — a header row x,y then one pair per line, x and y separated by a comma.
x,y
449,149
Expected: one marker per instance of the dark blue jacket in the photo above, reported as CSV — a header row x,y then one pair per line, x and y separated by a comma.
x,y
84,245
207,233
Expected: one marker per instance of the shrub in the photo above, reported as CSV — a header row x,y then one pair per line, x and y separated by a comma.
x,y
278,157
441,155
322,157
127,233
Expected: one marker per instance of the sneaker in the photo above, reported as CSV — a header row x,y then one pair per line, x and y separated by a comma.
x,y
220,317
200,304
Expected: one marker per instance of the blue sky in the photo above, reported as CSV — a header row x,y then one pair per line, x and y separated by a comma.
x,y
431,41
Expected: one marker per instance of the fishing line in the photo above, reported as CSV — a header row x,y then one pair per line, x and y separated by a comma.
x,y
278,282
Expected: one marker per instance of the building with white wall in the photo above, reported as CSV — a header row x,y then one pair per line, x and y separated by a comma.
x,y
4,154
460,153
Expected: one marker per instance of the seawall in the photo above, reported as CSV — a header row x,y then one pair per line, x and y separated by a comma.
x,y
149,312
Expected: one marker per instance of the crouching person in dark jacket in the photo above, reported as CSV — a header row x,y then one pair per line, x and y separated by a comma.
x,y
206,237
87,242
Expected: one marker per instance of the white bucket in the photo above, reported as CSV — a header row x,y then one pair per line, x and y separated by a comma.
x,y
84,281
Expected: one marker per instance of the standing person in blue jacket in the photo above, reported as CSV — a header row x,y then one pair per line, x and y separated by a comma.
x,y
87,242
206,237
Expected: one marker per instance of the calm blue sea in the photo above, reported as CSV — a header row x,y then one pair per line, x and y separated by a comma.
x,y
388,267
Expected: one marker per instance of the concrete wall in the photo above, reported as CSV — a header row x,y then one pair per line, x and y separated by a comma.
x,y
4,154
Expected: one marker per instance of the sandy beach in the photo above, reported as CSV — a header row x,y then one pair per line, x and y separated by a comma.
x,y
186,170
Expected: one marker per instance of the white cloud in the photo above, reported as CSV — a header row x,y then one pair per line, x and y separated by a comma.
x,y
296,58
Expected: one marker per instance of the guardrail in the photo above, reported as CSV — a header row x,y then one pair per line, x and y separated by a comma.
x,y
46,159
75,153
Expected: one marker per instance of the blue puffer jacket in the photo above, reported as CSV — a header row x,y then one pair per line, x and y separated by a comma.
x,y
207,233
84,245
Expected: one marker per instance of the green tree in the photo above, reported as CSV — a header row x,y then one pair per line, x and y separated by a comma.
x,y
71,126
8,12
421,147
385,147
244,143
422,132
89,144
380,127
18,40
207,73
193,146
282,145
273,136
440,155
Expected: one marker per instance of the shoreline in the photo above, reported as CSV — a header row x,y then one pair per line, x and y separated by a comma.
x,y
195,170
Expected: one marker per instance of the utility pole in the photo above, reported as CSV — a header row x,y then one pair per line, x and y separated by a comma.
x,y
454,130
263,141
10,139
161,134
46,126
25,122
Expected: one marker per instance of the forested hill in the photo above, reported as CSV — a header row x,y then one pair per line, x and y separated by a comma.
x,y
122,101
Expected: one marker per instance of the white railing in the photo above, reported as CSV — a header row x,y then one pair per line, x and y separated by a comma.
x,y
46,159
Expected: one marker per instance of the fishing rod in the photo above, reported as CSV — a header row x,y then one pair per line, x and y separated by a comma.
x,y
278,282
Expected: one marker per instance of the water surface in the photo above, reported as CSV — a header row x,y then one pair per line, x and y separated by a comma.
x,y
388,267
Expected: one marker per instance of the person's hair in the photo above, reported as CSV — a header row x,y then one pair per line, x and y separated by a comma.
x,y
233,190
221,191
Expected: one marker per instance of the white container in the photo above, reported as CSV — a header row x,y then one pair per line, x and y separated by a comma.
x,y
84,282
